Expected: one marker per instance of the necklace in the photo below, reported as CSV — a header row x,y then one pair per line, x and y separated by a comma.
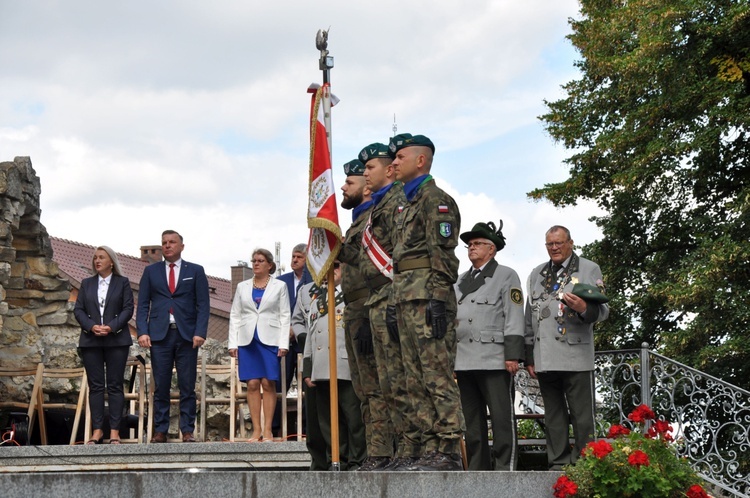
x,y
261,287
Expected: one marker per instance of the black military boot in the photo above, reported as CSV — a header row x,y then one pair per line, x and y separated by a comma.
x,y
374,463
438,462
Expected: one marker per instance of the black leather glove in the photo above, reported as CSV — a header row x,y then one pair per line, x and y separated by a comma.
x,y
364,338
391,322
435,316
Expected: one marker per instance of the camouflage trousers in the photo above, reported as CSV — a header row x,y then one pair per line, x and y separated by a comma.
x,y
392,377
429,363
375,413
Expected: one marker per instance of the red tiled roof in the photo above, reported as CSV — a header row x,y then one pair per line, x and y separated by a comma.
x,y
74,259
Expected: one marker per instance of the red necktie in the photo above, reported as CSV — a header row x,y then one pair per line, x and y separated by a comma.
x,y
171,278
171,282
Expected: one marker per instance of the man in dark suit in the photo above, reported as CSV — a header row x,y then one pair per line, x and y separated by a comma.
x,y
172,320
295,279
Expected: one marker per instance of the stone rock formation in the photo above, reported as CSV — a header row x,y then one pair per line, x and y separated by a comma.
x,y
36,320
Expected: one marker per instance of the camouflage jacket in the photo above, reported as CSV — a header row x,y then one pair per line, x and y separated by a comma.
x,y
384,216
427,228
352,282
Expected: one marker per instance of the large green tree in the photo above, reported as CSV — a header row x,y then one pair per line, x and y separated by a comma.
x,y
657,126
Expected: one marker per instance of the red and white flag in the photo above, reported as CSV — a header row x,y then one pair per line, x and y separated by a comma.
x,y
322,213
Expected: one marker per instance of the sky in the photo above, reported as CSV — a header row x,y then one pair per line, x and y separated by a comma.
x,y
144,116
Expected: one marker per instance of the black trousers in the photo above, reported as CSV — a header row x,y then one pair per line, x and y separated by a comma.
x,y
568,401
96,360
316,443
494,390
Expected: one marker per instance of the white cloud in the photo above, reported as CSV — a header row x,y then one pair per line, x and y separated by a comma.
x,y
148,115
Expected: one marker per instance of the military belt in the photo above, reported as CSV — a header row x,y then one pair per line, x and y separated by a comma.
x,y
356,295
377,282
411,264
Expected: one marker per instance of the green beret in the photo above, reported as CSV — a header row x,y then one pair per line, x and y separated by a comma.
x,y
355,167
407,140
373,151
486,231
589,293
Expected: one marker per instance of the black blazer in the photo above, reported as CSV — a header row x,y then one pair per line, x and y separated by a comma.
x,y
118,310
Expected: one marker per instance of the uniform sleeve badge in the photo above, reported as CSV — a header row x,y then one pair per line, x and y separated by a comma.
x,y
445,229
516,296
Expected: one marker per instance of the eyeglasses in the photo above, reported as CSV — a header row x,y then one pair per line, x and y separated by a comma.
x,y
258,261
551,245
477,244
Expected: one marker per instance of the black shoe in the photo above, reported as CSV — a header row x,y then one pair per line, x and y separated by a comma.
x,y
438,462
400,464
374,463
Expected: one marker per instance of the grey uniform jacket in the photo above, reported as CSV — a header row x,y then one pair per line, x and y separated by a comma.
x,y
490,320
316,345
569,345
301,315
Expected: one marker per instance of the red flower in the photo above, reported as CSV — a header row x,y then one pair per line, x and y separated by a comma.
x,y
638,458
618,430
641,414
696,491
600,448
564,487
660,428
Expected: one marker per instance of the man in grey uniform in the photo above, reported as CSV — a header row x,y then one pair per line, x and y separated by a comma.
x,y
490,343
560,329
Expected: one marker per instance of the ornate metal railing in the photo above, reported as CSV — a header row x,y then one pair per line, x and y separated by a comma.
x,y
710,417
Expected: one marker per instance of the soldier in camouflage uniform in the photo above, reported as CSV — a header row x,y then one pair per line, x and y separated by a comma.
x,y
387,196
359,344
425,269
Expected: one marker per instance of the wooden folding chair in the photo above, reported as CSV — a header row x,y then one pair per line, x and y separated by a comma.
x,y
74,375
221,373
135,396
18,376
300,398
237,397
234,398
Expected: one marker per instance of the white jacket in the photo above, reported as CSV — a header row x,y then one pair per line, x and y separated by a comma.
x,y
271,318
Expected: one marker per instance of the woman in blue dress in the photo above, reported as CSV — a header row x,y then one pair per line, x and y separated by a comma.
x,y
259,326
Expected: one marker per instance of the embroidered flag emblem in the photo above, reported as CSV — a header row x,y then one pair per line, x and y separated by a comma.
x,y
442,208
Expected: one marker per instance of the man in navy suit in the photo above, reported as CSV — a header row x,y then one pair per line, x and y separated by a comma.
x,y
295,279
172,320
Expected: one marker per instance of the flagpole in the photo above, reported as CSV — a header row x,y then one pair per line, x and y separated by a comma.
x,y
326,64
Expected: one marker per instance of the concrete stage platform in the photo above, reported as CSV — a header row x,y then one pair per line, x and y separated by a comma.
x,y
233,470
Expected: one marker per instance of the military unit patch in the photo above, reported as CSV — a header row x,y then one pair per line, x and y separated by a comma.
x,y
516,295
445,229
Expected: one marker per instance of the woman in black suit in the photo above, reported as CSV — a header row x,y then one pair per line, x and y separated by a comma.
x,y
103,308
